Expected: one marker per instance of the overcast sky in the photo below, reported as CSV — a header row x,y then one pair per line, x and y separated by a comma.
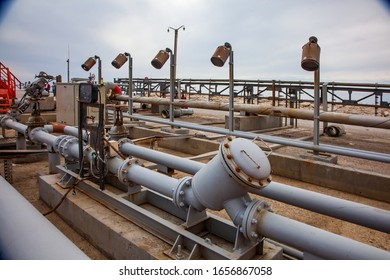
x,y
266,35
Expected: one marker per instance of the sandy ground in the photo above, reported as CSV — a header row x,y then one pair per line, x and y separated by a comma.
x,y
356,137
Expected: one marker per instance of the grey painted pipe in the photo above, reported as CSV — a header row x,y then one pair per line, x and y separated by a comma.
x,y
301,236
318,242
353,212
273,139
342,209
360,120
25,234
183,164
65,129
21,128
153,180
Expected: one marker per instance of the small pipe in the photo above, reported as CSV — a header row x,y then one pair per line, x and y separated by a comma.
x,y
351,119
182,164
274,139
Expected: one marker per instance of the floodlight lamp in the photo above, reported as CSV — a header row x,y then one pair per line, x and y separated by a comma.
x,y
119,60
88,64
311,55
160,59
221,54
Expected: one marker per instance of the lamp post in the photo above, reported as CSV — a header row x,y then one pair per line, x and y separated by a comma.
x,y
117,63
158,62
218,59
90,62
175,48
311,62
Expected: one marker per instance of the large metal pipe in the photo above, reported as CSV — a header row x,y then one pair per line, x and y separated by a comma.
x,y
360,120
353,212
273,139
315,241
25,234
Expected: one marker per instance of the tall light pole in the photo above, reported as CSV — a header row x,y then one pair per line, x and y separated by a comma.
x,y
218,59
311,62
117,63
158,62
175,48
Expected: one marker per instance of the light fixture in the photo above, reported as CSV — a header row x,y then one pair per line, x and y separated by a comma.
x,y
90,62
160,59
311,55
118,63
221,54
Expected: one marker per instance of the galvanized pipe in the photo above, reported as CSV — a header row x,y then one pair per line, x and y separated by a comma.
x,y
318,242
274,139
26,235
360,120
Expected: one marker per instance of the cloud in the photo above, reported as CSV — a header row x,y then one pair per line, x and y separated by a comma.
x,y
267,37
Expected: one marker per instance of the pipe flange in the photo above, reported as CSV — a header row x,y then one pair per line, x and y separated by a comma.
x,y
123,141
57,142
246,163
64,147
250,219
179,194
33,133
123,169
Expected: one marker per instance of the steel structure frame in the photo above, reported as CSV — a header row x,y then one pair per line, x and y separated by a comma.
x,y
276,91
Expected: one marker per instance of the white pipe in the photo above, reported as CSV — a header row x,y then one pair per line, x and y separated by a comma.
x,y
25,234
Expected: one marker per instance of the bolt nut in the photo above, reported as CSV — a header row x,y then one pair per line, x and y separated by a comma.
x,y
181,193
254,235
229,156
237,169
254,221
226,145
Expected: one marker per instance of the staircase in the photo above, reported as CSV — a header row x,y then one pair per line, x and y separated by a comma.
x,y
8,85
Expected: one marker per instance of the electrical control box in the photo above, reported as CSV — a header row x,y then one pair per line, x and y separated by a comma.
x,y
88,93
67,99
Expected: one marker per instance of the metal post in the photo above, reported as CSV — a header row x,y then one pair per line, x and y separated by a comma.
x,y
316,126
171,86
67,61
231,91
99,69
325,101
130,85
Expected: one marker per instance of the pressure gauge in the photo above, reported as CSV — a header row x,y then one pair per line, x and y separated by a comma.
x,y
88,93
